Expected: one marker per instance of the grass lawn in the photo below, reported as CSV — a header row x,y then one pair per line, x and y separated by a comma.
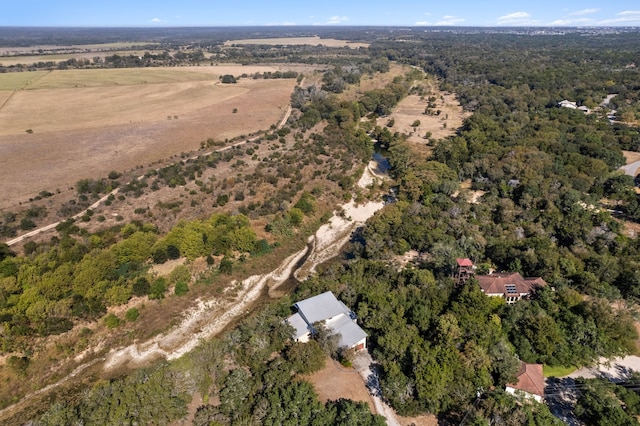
x,y
557,371
115,77
19,80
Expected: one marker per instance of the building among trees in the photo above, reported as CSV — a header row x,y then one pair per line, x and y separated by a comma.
x,y
325,308
529,382
511,286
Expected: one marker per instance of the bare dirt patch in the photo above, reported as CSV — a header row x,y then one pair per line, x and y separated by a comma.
x,y
87,132
631,156
439,125
428,420
371,82
631,229
335,381
297,41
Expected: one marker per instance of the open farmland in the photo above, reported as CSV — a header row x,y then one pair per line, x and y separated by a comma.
x,y
13,60
88,122
290,41
16,50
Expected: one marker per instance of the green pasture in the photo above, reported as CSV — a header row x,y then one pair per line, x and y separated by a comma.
x,y
19,80
97,78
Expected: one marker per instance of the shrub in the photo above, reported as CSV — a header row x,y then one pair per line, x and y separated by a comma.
x,y
141,287
173,252
18,365
158,288
132,315
159,255
29,247
226,265
228,78
306,203
27,224
295,216
112,321
181,288
222,200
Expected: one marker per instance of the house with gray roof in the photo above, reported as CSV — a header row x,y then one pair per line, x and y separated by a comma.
x,y
334,314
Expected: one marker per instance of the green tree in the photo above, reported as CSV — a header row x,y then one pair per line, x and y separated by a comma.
x,y
158,288
306,357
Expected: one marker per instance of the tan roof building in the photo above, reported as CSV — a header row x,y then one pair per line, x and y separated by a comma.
x,y
510,286
530,382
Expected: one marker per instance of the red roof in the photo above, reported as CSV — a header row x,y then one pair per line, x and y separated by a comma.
x,y
530,379
464,262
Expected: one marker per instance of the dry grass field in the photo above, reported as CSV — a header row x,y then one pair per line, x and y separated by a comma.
x,y
85,47
122,119
314,41
377,81
19,80
335,381
28,55
412,108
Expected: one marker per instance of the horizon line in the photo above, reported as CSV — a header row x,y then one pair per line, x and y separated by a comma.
x,y
317,26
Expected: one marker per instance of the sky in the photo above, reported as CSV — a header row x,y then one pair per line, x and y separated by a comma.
x,y
186,13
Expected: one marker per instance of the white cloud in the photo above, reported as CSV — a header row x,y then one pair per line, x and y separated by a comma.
x,y
584,12
517,18
337,20
630,13
422,23
568,22
449,20
628,17
157,20
514,16
280,24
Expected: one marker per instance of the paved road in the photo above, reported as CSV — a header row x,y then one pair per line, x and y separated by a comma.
x,y
631,169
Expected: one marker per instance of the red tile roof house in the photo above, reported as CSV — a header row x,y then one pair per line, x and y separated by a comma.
x,y
336,316
530,382
510,286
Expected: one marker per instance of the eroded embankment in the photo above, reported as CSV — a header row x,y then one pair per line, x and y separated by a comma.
x,y
209,317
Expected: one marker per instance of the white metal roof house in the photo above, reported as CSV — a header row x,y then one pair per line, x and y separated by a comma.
x,y
568,104
334,314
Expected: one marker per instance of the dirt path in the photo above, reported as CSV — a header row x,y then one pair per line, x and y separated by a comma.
x,y
115,191
209,317
365,366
